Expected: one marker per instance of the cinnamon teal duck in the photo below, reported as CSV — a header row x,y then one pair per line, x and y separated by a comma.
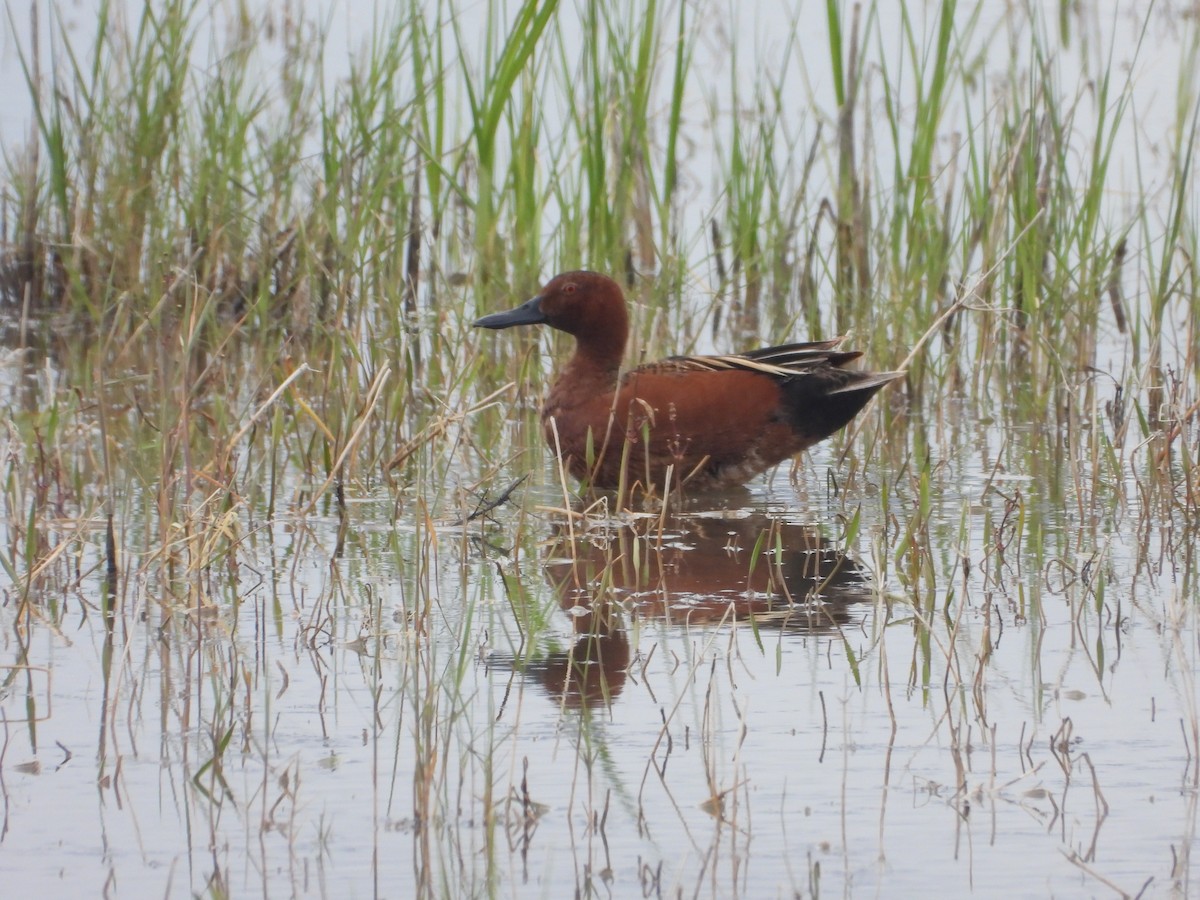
x,y
700,421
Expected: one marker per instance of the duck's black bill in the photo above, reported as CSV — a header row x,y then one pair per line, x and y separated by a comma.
x,y
526,314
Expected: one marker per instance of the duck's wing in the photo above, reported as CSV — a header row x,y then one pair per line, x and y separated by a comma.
x,y
782,361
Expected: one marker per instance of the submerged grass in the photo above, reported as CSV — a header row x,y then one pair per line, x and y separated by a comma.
x,y
237,288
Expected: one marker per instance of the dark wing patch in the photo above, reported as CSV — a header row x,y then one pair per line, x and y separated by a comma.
x,y
786,350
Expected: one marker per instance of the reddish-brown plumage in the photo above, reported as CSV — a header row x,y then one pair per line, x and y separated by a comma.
x,y
706,420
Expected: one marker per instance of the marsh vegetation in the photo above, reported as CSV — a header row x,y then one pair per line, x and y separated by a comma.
x,y
296,602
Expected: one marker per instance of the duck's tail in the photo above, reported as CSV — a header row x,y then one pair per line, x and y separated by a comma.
x,y
822,402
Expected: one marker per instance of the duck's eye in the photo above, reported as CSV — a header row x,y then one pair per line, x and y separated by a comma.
x,y
569,287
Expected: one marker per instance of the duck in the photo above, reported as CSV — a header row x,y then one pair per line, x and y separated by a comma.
x,y
704,422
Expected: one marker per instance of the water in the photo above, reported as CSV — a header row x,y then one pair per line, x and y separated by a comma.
x,y
689,754
988,689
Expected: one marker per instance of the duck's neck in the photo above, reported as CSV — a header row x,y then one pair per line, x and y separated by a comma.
x,y
593,370
594,366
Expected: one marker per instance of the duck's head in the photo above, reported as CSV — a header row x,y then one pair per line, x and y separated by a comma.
x,y
588,305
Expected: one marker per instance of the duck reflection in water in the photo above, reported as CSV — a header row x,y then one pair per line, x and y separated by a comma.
x,y
687,570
